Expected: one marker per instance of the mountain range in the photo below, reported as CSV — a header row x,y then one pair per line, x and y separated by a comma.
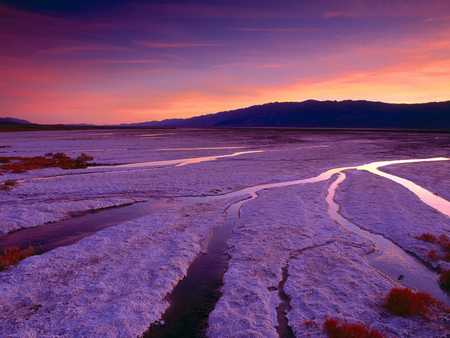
x,y
13,120
323,114
306,114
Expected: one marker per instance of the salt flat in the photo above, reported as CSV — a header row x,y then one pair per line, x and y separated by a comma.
x,y
114,283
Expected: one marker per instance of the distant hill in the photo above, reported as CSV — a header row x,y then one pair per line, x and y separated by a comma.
x,y
13,120
323,114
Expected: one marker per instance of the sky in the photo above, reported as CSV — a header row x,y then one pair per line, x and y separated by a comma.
x,y
116,61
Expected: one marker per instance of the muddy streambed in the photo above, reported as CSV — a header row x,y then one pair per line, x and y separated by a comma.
x,y
196,295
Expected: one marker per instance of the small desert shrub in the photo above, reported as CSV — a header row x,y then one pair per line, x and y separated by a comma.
x,y
443,239
427,237
445,247
337,329
11,183
447,257
310,323
407,303
433,256
8,184
444,244
444,280
13,256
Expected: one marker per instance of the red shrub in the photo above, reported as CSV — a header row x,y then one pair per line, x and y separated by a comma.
x,y
310,323
444,243
337,329
60,156
443,239
444,280
427,237
447,257
407,303
12,256
8,184
445,247
433,256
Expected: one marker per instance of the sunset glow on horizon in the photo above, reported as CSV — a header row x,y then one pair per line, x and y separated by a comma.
x,y
130,61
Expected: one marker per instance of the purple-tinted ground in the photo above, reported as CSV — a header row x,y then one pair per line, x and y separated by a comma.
x,y
114,282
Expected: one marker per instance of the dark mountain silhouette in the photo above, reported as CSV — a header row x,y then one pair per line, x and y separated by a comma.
x,y
323,114
13,120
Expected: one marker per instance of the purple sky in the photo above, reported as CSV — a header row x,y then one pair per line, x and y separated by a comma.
x,y
121,62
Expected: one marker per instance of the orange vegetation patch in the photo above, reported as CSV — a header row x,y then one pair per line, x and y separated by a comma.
x,y
339,329
13,256
407,303
18,164
444,280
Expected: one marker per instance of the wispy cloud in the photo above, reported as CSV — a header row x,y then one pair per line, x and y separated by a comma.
x,y
175,44
68,50
329,15
197,10
121,61
438,19
280,30
250,65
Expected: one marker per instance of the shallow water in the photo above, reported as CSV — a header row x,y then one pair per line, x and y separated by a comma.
x,y
177,163
389,258
69,231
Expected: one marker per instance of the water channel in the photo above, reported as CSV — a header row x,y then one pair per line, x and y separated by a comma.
x,y
196,295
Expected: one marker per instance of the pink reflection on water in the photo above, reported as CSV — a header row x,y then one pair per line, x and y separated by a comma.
x,y
425,196
207,148
179,162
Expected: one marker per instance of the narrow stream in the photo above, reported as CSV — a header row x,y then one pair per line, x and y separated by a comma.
x,y
389,258
194,297
177,163
69,231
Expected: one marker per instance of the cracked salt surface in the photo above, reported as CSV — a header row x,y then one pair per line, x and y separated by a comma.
x,y
331,276
111,284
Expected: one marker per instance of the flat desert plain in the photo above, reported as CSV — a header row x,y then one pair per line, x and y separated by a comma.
x,y
324,225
